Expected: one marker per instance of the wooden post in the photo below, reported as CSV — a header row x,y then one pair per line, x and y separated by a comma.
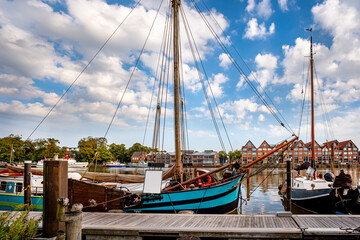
x,y
288,184
55,186
248,184
27,184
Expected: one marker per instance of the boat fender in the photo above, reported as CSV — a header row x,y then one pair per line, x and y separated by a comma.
x,y
205,180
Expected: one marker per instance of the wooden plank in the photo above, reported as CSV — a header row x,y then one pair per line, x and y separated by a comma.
x,y
217,226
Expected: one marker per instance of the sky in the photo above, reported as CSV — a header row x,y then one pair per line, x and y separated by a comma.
x,y
45,45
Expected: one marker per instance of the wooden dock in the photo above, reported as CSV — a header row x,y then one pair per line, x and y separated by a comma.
x,y
196,226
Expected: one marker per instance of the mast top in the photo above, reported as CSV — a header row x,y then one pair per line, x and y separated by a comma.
x,y
311,49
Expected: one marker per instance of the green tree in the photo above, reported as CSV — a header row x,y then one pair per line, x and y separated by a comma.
x,y
46,148
51,147
11,147
29,150
104,154
88,146
118,151
222,156
235,155
137,147
40,149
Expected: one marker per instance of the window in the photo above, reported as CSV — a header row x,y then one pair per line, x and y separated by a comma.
x,y
19,187
249,144
3,186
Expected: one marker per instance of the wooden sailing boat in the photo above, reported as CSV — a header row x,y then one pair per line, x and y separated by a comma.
x,y
213,198
196,194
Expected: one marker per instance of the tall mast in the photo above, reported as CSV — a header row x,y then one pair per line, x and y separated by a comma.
x,y
179,168
312,102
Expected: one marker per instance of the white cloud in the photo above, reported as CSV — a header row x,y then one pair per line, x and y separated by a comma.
x,y
216,85
263,9
255,31
336,66
224,60
266,65
251,5
283,4
239,110
261,118
48,47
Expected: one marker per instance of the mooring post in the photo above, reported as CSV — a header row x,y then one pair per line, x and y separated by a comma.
x,y
27,185
72,219
55,186
288,184
248,184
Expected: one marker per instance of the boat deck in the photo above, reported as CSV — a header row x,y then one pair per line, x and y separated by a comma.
x,y
174,226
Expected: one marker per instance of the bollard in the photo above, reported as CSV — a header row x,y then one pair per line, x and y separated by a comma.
x,y
72,219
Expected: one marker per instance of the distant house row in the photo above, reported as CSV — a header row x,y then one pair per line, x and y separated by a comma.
x,y
345,152
208,157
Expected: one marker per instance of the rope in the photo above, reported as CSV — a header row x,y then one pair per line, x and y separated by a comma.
x,y
156,73
82,71
244,62
133,71
112,200
239,69
95,156
192,47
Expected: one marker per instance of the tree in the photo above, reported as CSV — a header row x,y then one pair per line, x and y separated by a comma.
x,y
46,148
104,154
118,151
88,146
235,155
29,150
11,146
137,147
51,147
222,156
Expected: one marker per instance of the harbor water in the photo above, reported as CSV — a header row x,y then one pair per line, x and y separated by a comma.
x,y
260,192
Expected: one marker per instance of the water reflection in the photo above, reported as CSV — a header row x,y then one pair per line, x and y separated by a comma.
x,y
260,192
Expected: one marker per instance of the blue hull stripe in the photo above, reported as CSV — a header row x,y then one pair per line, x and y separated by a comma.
x,y
12,202
206,198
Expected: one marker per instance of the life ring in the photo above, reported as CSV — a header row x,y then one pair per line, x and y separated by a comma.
x,y
205,181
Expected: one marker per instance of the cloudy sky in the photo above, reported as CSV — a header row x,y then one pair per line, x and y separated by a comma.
x,y
45,45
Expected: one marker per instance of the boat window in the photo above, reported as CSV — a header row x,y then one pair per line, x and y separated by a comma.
x,y
3,186
19,187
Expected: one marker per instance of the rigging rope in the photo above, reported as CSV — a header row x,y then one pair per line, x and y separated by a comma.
x,y
303,102
326,117
133,71
82,71
156,75
192,46
239,69
246,65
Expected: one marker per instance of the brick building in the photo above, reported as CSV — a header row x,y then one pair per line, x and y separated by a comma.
x,y
345,152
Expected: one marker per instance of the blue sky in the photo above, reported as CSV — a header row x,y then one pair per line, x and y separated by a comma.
x,y
44,45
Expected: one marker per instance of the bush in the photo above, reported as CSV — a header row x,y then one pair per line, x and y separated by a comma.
x,y
17,225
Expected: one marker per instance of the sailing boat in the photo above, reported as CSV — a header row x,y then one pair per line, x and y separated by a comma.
x,y
218,197
308,191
